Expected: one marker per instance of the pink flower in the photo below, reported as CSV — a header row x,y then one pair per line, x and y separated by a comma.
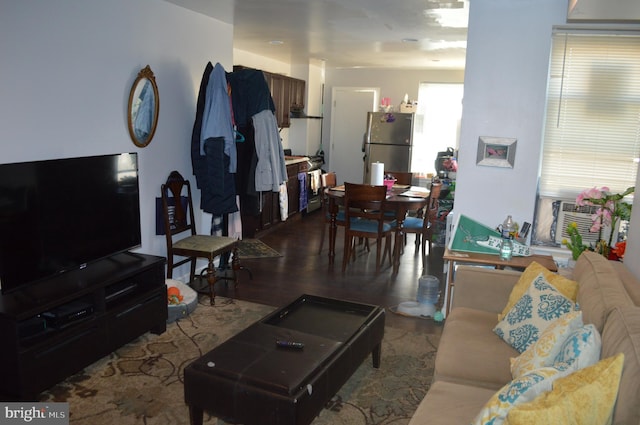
x,y
593,193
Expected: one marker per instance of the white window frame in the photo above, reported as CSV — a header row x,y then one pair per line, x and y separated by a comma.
x,y
592,124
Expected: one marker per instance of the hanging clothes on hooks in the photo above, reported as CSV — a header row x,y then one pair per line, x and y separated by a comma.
x,y
249,95
213,148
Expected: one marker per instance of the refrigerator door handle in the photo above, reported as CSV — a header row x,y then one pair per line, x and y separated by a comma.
x,y
364,141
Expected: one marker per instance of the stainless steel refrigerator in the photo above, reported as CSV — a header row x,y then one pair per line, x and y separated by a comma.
x,y
388,139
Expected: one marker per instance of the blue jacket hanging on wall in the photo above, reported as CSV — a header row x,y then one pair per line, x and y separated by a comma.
x,y
213,153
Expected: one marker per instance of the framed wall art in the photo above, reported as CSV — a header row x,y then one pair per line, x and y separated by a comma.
x,y
496,151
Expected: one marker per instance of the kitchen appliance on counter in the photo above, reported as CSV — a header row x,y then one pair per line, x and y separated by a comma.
x,y
388,139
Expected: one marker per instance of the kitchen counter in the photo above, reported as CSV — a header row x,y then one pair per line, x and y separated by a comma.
x,y
295,159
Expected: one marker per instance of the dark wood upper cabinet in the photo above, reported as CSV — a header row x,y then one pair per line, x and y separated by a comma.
x,y
288,94
296,94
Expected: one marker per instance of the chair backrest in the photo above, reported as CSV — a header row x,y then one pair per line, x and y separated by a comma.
x,y
328,179
366,202
177,206
433,204
402,177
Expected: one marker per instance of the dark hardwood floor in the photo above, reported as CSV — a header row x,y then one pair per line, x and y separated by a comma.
x,y
301,270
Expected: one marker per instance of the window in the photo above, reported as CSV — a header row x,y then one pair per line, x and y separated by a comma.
x,y
437,123
592,125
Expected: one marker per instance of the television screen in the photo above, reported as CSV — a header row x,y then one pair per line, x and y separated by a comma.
x,y
60,215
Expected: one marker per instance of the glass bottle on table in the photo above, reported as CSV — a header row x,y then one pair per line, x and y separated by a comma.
x,y
506,248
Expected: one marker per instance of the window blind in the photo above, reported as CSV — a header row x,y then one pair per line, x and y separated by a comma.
x,y
592,125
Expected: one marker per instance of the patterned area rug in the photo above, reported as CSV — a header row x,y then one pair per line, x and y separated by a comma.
x,y
255,248
142,383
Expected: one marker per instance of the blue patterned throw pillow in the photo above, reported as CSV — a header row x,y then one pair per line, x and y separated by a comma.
x,y
581,348
520,390
538,307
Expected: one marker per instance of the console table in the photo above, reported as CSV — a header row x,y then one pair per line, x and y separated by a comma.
x,y
487,260
54,328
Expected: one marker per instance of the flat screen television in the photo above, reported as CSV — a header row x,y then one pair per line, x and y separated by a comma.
x,y
61,215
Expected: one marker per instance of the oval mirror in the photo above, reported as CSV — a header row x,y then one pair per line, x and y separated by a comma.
x,y
144,105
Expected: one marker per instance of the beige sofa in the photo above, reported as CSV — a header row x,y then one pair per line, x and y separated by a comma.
x,y
473,362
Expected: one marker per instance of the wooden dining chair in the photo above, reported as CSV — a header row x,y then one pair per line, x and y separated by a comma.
x,y
328,180
179,221
422,225
364,218
402,177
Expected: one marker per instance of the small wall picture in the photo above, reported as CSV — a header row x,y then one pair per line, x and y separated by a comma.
x,y
496,151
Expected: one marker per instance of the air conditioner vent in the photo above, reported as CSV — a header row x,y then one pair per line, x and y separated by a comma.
x,y
570,212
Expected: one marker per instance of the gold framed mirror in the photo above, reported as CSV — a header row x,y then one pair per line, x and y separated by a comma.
x,y
144,105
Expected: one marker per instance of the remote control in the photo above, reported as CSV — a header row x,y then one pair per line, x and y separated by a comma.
x,y
289,344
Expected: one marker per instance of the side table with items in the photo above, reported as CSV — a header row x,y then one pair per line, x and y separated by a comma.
x,y
518,263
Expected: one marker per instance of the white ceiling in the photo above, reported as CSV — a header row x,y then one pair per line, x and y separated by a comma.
x,y
347,33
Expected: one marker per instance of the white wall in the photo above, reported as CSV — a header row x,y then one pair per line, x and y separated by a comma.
x,y
504,95
65,77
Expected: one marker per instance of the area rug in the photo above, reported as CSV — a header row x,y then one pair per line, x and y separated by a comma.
x,y
255,248
142,383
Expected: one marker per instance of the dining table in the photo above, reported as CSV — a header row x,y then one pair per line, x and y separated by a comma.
x,y
401,199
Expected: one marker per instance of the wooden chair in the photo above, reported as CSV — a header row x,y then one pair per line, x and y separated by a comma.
x,y
364,218
328,180
402,177
178,220
422,225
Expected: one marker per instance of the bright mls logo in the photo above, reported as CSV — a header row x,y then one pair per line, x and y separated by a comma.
x,y
36,413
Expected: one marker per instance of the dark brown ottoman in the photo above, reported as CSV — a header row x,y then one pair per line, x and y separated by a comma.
x,y
250,380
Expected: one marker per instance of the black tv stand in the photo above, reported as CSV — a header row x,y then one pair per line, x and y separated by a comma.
x,y
135,255
55,328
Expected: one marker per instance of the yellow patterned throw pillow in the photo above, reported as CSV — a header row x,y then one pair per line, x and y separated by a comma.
x,y
543,352
535,311
585,397
568,287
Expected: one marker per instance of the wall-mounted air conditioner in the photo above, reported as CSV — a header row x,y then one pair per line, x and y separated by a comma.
x,y
603,11
570,212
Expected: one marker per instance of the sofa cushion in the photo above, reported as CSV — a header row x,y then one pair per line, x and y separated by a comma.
x,y
599,288
569,288
470,352
520,390
540,305
629,281
584,397
622,335
543,352
448,403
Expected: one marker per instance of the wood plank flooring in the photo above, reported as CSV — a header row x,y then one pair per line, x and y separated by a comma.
x,y
301,269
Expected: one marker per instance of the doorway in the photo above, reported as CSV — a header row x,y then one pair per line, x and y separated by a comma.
x,y
348,124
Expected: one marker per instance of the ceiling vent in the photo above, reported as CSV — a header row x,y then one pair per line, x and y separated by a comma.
x,y
445,5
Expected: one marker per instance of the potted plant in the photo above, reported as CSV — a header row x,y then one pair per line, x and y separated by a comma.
x,y
611,210
575,244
